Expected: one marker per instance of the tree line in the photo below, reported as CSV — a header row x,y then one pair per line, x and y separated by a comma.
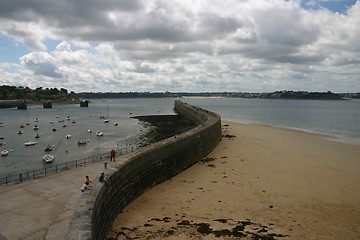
x,y
38,94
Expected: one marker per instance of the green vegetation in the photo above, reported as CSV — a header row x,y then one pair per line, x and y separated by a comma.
x,y
37,95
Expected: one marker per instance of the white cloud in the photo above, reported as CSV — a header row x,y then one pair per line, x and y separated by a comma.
x,y
158,45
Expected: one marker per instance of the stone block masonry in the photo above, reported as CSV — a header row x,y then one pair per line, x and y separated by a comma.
x,y
142,170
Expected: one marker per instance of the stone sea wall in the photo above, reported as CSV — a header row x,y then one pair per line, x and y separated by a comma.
x,y
144,169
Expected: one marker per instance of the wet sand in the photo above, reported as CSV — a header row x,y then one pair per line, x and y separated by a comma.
x,y
260,182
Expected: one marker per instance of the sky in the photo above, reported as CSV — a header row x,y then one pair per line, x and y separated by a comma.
x,y
181,46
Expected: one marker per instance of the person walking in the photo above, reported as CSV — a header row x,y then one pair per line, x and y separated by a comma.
x,y
112,155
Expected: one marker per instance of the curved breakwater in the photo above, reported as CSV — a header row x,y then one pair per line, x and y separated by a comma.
x,y
142,170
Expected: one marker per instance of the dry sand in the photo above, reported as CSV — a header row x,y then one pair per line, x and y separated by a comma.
x,y
260,182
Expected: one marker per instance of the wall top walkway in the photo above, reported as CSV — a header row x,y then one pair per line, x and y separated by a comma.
x,y
142,170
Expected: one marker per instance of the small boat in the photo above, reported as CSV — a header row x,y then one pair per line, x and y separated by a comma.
x,y
68,136
22,126
106,120
89,131
54,129
68,118
27,123
82,141
48,158
4,152
36,127
30,143
20,132
64,125
37,135
99,133
36,119
61,120
2,137
73,121
116,123
49,148
51,122
2,143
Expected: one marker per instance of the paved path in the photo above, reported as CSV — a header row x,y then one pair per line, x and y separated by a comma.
x,y
42,208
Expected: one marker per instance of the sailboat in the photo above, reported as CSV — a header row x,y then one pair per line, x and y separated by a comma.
x,y
48,158
107,118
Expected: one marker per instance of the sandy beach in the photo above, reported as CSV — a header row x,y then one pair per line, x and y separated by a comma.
x,y
260,182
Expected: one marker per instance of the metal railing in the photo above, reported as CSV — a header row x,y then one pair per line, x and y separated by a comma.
x,y
20,177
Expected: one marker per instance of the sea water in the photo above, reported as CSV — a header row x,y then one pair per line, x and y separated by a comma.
x,y
337,118
81,119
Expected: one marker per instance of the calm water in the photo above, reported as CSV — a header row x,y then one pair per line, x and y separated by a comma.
x,y
25,158
339,118
336,118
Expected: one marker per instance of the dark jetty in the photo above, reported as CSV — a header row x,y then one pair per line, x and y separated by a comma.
x,y
164,126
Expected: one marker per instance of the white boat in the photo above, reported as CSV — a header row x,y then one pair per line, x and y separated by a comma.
x,y
4,152
36,119
37,135
89,131
68,136
36,127
99,133
116,123
30,143
107,119
82,141
48,158
68,118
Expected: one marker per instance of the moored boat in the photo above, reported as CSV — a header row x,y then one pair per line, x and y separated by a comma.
x,y
49,148
30,143
4,152
48,158
82,141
